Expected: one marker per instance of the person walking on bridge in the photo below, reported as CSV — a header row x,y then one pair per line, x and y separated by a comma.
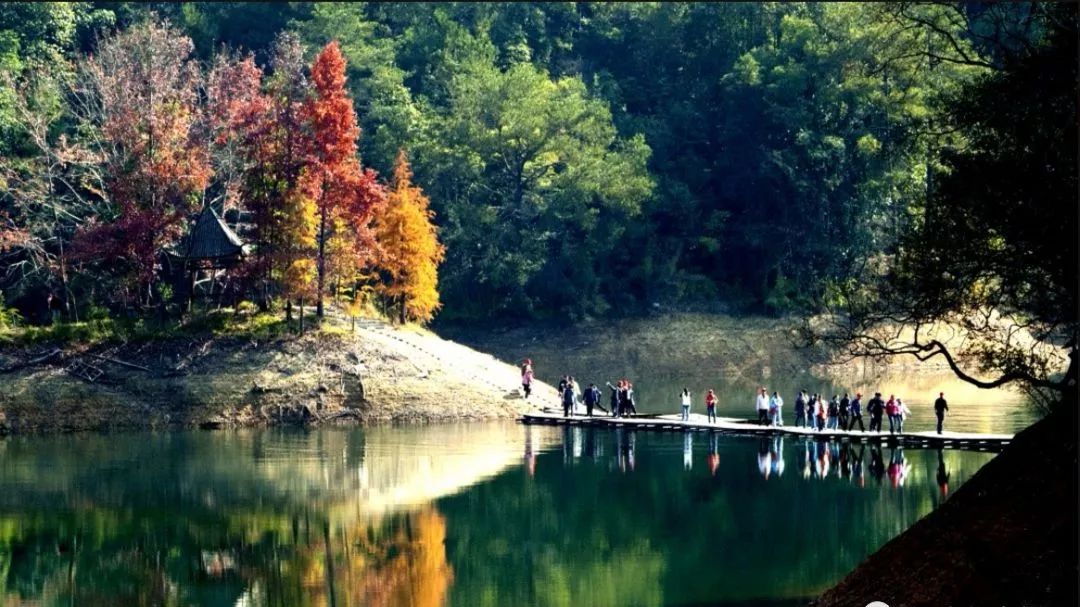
x,y
800,409
845,410
710,406
876,407
568,399
614,401
684,399
940,407
834,412
890,410
776,411
527,377
902,413
626,399
855,411
820,410
762,406
591,398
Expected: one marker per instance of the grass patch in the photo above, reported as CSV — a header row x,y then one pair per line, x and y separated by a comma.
x,y
221,323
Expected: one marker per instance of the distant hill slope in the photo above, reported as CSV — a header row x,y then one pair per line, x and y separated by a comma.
x,y
380,373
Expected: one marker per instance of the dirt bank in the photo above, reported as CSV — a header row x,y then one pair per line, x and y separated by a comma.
x,y
1007,537
379,373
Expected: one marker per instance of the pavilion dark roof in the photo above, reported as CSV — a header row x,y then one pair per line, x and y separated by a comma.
x,y
211,238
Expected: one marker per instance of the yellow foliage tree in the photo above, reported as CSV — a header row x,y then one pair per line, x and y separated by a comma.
x,y
410,252
297,220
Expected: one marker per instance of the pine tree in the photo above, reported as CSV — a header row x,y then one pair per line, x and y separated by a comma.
x,y
410,252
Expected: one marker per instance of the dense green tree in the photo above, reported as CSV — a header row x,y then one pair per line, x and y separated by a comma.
x,y
389,120
992,254
535,186
790,146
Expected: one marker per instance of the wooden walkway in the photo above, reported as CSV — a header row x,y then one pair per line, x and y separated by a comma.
x,y
742,427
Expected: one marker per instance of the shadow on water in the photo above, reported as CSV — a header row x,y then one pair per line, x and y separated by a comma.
x,y
486,514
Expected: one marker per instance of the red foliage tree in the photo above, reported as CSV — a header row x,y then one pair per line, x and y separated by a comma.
x,y
141,93
345,194
276,149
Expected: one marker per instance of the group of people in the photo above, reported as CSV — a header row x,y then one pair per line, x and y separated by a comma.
x,y
842,412
816,413
621,403
811,411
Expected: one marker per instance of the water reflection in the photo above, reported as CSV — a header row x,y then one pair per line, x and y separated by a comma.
x,y
942,474
473,515
771,457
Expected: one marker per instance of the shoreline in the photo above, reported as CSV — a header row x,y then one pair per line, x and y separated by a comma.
x,y
379,374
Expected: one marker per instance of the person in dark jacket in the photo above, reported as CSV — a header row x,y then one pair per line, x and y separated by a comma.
x,y
845,408
800,409
876,408
614,401
568,400
591,398
628,403
855,410
940,407
624,408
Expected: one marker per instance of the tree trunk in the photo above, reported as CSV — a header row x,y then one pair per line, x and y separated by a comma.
x,y
301,316
322,262
401,318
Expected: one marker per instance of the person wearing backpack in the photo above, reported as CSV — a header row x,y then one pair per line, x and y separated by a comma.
x,y
834,412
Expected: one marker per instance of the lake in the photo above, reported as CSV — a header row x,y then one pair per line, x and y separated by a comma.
x,y
479,514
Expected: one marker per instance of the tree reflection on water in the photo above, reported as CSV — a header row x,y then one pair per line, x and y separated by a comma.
x,y
465,515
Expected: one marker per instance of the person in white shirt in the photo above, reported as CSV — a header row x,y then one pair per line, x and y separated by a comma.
x,y
762,407
903,412
685,398
775,409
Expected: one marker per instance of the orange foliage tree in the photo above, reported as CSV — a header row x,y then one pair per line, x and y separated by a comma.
x,y
409,248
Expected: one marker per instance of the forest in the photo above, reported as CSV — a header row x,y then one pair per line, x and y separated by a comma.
x,y
515,160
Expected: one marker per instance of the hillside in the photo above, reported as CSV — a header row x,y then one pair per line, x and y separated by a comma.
x,y
380,373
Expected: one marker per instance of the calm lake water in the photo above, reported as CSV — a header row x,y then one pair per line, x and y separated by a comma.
x,y
481,514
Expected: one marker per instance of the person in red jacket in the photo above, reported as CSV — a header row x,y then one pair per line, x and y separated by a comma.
x,y
710,405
